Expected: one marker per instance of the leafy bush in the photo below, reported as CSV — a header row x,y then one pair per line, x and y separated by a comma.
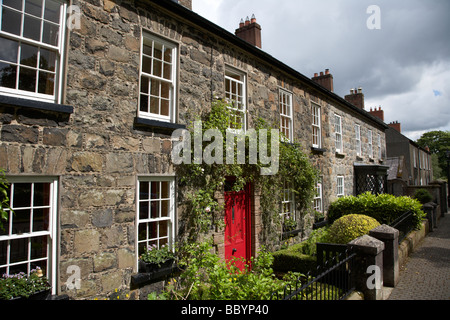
x,y
423,195
21,285
384,208
206,277
350,227
299,257
157,256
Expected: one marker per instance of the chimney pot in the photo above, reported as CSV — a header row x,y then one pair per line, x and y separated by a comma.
x,y
253,20
241,24
327,71
316,75
359,90
247,21
321,73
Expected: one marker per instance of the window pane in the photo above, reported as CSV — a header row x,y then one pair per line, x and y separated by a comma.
x,y
165,90
146,65
154,209
46,83
143,103
157,68
8,75
41,219
144,85
27,79
167,71
142,231
165,190
152,230
143,190
41,194
38,247
19,268
47,60
17,4
163,229
167,55
11,21
21,221
52,10
147,49
32,28
165,108
28,55
155,190
154,88
34,7
19,250
3,252
9,50
22,195
158,51
154,105
165,205
50,34
143,210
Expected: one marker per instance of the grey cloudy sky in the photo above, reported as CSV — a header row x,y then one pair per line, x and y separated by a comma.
x,y
404,67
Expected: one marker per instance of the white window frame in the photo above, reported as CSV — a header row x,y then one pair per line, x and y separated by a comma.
x,y
171,218
286,115
380,153
56,97
238,99
172,82
340,186
338,133
358,139
370,143
51,232
287,203
316,125
318,197
414,158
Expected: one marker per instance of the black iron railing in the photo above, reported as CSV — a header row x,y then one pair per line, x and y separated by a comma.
x,y
333,280
404,224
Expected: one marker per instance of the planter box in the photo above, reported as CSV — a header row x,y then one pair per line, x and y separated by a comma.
x,y
320,224
40,295
152,267
157,274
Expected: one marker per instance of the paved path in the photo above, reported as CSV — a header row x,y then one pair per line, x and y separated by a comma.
x,y
426,273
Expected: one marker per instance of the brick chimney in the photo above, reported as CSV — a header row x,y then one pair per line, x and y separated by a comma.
x,y
250,31
325,80
377,113
185,3
396,125
356,98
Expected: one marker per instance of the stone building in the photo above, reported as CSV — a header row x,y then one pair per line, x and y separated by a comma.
x,y
89,97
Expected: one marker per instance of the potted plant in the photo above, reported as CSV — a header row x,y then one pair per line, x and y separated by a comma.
x,y
319,220
289,224
34,286
155,258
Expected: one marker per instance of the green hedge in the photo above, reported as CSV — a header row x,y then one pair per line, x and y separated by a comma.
x,y
384,208
293,259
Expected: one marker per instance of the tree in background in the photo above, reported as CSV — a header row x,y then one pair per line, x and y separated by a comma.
x,y
438,142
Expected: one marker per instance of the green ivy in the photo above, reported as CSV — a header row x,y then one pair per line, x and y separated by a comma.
x,y
200,182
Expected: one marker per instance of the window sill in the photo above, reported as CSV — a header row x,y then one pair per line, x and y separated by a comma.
x,y
359,158
318,150
156,125
340,154
33,104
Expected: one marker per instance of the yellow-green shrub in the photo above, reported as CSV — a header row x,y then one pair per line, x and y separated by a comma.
x,y
350,227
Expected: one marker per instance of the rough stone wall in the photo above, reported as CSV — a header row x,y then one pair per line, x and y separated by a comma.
x,y
97,152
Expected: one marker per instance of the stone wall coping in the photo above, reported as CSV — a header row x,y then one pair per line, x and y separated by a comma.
x,y
367,245
384,232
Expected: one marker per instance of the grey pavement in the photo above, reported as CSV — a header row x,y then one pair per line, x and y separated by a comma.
x,y
426,273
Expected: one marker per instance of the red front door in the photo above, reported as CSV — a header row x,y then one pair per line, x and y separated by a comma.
x,y
237,226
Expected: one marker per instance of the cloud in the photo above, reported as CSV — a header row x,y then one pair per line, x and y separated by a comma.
x,y
399,66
